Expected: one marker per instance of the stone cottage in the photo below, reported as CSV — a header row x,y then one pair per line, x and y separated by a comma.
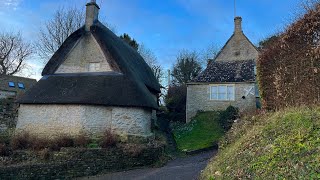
x,y
13,86
228,80
95,81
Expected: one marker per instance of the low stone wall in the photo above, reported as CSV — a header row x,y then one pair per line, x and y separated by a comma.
x,y
70,163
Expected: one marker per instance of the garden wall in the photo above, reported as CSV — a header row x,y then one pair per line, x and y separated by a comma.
x,y
72,162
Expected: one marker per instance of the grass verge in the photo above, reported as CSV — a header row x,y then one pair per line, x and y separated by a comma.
x,y
281,145
201,133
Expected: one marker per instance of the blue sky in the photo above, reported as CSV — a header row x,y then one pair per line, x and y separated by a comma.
x,y
164,26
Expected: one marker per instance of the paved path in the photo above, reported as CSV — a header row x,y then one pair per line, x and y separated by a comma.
x,y
181,168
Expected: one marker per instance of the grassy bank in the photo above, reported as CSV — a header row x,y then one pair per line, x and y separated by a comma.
x,y
201,133
282,145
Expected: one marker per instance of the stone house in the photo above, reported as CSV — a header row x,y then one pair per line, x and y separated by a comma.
x,y
230,79
13,86
94,82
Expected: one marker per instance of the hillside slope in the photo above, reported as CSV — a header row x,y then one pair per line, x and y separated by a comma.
x,y
282,145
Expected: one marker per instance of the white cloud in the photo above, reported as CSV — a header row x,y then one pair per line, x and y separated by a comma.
x,y
11,4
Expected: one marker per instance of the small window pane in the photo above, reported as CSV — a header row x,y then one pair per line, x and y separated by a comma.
x,y
214,92
222,96
222,89
21,85
222,93
11,84
231,93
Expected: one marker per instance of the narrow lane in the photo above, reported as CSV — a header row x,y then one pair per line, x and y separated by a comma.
x,y
187,168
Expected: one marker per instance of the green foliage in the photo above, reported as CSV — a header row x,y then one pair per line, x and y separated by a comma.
x,y
227,117
186,68
281,145
132,42
202,132
176,102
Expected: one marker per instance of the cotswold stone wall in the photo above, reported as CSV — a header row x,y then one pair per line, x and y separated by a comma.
x,y
71,163
86,51
50,120
198,99
8,114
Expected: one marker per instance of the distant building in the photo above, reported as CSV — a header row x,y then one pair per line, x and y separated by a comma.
x,y
13,86
94,82
230,79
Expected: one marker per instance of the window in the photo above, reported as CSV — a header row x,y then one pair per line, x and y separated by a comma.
x,y
21,85
11,84
94,67
222,92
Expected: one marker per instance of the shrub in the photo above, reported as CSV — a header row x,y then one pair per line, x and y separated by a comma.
x,y
81,140
108,139
227,117
38,144
289,66
20,141
5,137
4,150
45,154
64,141
176,101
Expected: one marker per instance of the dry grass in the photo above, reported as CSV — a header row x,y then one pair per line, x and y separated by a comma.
x,y
108,139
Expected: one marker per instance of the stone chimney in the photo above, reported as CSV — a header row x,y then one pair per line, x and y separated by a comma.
x,y
238,25
92,13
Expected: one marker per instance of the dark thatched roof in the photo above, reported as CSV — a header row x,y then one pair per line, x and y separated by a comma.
x,y
134,86
92,89
128,59
230,71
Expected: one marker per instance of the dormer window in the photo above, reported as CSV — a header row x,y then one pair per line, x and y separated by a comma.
x,y
94,67
21,85
11,84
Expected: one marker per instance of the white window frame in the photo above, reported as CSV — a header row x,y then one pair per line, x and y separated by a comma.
x,y
225,85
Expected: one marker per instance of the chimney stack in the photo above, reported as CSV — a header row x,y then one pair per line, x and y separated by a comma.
x,y
92,13
238,24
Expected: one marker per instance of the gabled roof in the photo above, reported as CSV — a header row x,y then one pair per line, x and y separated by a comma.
x,y
230,71
233,36
134,86
128,59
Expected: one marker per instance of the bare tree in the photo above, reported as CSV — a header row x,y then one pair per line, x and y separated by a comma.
x,y
209,54
13,53
151,60
56,30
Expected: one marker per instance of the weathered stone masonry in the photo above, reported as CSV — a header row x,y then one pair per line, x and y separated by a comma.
x,y
47,120
197,93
